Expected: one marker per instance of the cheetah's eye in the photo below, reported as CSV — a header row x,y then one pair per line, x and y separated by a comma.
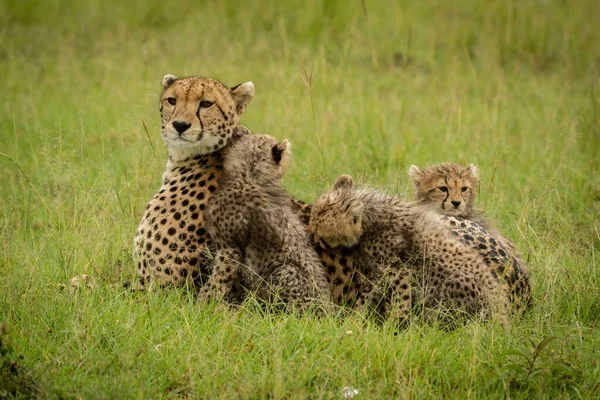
x,y
443,189
172,101
355,219
206,104
464,188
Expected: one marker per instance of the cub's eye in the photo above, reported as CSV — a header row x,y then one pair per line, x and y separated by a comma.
x,y
206,104
355,219
464,188
443,189
172,101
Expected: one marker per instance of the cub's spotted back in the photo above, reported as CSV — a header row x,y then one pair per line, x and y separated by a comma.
x,y
261,243
405,249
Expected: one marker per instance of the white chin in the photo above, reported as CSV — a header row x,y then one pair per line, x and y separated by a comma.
x,y
179,143
181,149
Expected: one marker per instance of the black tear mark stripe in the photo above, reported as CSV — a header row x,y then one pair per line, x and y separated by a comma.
x,y
200,119
222,113
198,111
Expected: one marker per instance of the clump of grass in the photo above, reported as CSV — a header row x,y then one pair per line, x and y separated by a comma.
x,y
16,381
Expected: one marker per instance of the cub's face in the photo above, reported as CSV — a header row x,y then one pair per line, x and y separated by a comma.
x,y
199,115
260,157
336,217
447,188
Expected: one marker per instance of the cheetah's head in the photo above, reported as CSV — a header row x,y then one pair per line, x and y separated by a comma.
x,y
199,115
336,217
448,188
260,158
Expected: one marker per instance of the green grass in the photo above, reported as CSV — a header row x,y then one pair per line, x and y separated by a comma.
x,y
513,87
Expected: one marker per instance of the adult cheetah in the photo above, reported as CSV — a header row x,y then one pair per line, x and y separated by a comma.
x,y
451,189
200,117
394,244
260,242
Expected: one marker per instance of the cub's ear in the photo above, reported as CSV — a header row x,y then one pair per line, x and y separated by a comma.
x,y
242,94
473,170
168,80
240,131
279,151
343,181
415,174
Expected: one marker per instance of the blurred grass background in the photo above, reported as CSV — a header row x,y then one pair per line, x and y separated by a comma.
x,y
512,86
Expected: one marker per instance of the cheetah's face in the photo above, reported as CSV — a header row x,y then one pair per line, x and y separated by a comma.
x,y
336,218
448,188
200,114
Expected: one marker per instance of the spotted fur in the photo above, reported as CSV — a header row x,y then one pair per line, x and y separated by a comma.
x,y
405,251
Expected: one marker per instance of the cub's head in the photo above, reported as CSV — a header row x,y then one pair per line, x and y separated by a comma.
x,y
260,158
336,217
448,188
199,115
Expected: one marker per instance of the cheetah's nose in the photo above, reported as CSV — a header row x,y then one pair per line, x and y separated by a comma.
x,y
181,126
455,203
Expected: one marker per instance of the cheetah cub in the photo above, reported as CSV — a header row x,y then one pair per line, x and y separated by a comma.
x,y
405,251
450,189
260,242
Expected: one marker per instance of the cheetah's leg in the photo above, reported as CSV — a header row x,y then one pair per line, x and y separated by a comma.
x,y
225,274
500,306
401,294
391,296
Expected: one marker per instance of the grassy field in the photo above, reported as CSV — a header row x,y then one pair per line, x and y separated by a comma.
x,y
512,86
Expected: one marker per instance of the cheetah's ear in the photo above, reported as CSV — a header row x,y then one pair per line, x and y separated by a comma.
x,y
242,94
280,149
415,173
343,181
168,80
473,170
